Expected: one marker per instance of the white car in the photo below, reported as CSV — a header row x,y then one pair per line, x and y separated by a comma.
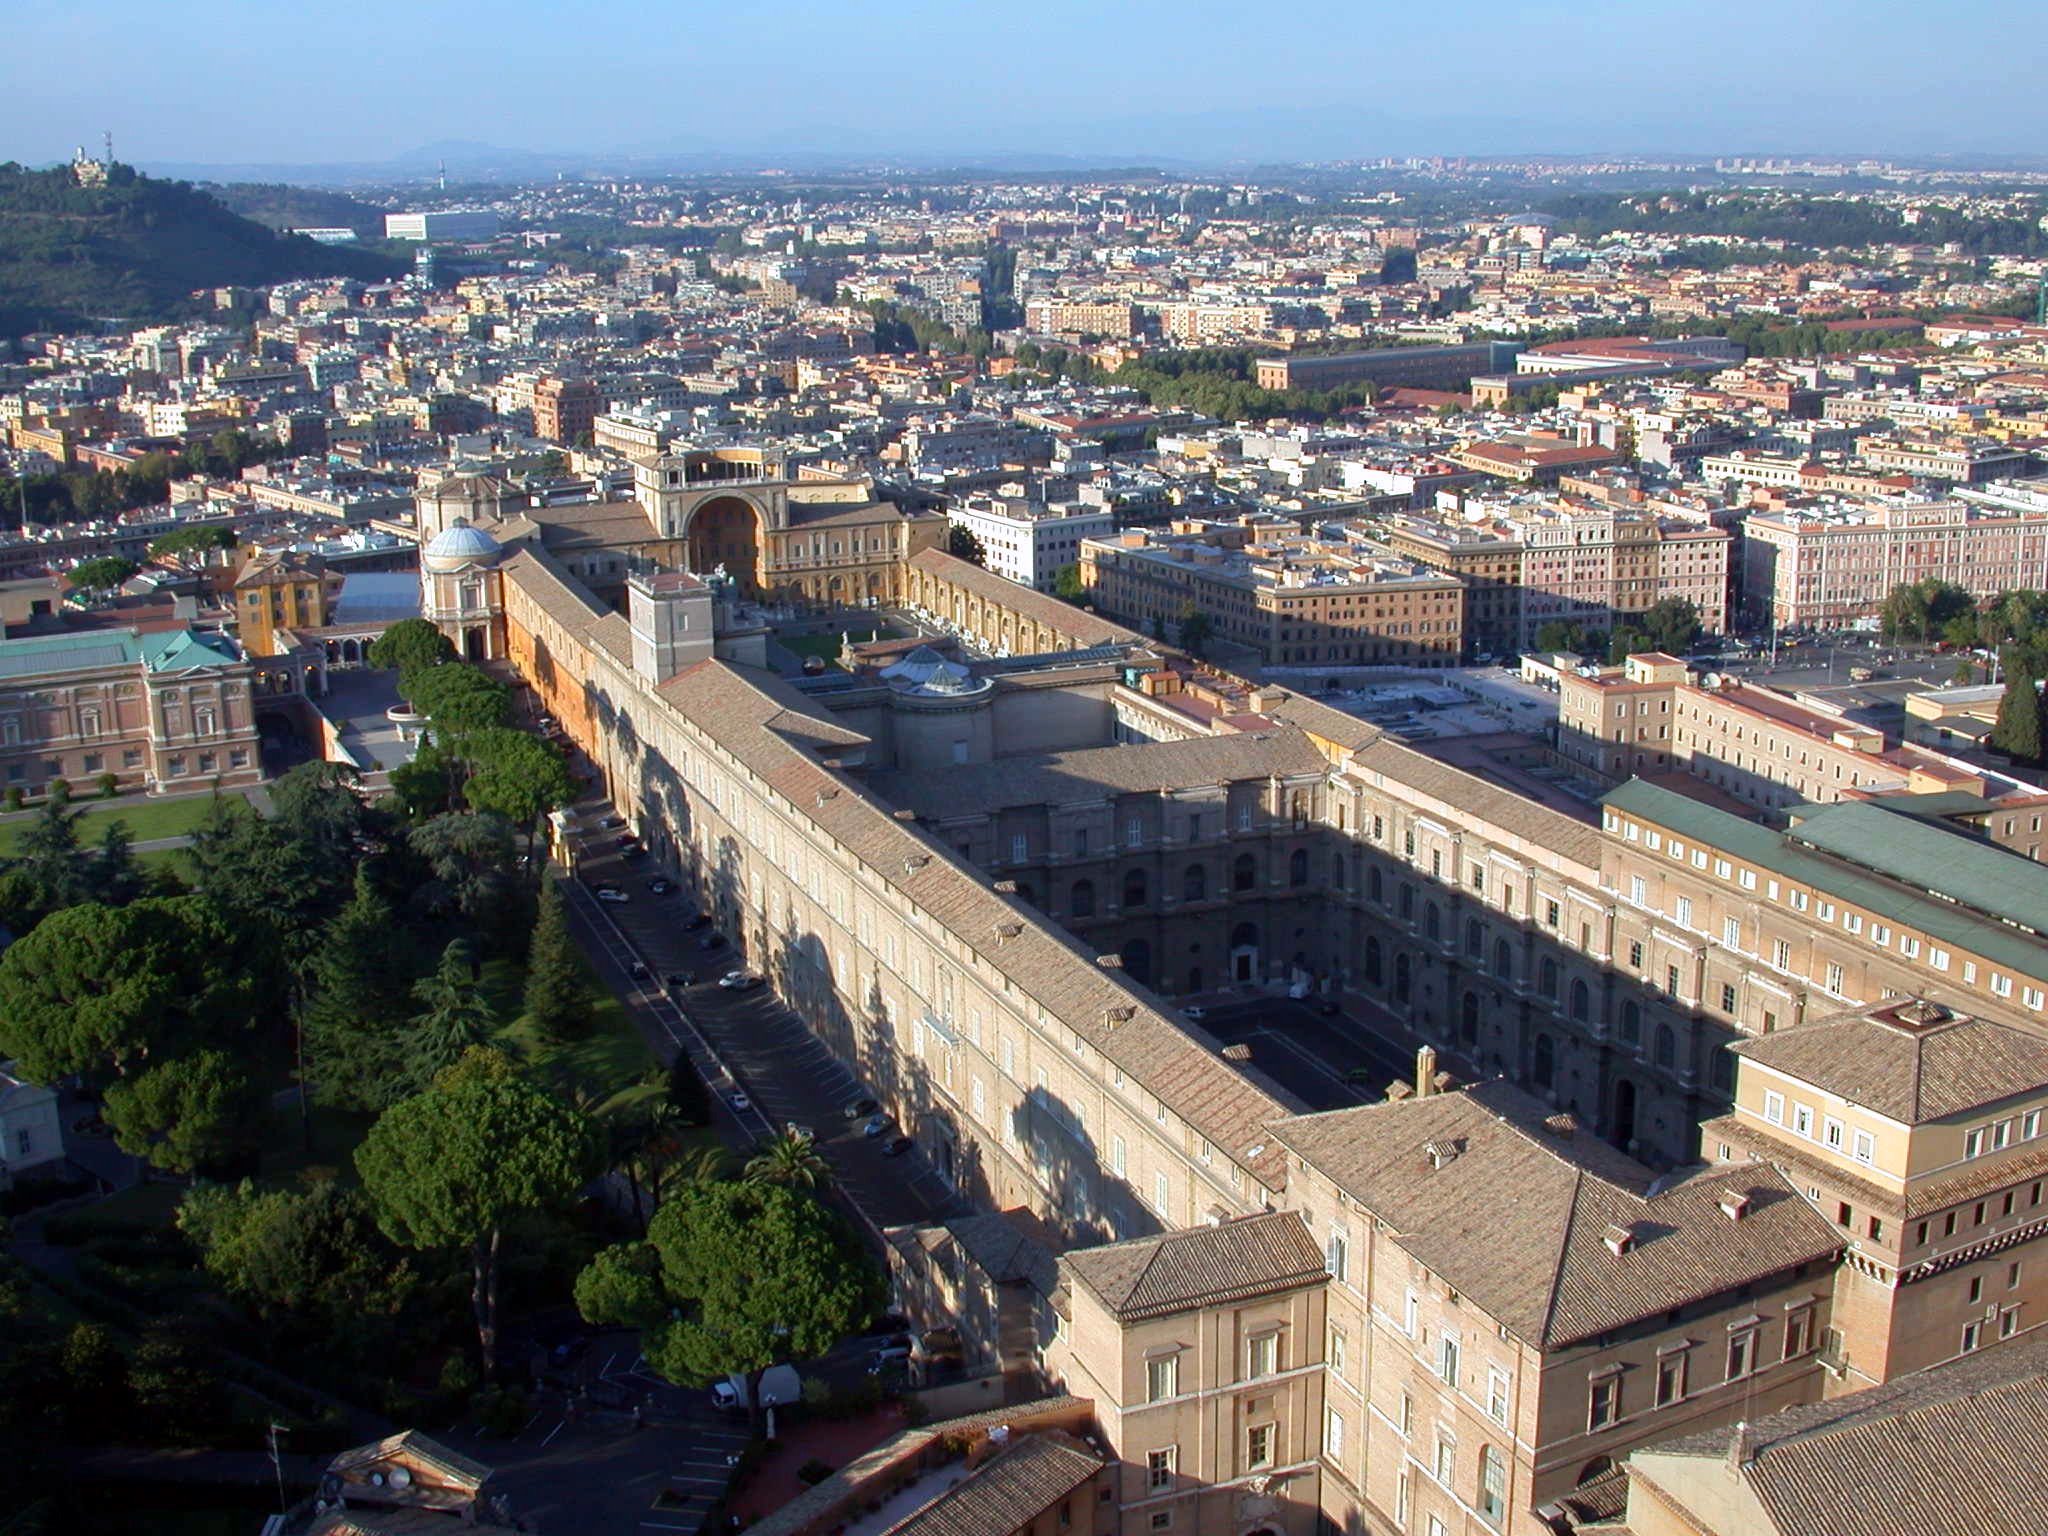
x,y
616,898
739,1101
739,981
1195,1012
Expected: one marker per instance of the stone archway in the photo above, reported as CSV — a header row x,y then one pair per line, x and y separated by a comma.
x,y
727,531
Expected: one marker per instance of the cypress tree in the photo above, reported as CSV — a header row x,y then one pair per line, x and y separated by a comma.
x,y
2018,731
360,995
557,986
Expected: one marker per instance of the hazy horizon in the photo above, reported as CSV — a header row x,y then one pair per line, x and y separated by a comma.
x,y
227,83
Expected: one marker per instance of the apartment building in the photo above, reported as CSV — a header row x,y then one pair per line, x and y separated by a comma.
x,y
1293,601
279,590
564,410
1080,317
1960,461
1828,566
1029,542
1915,1130
1445,367
1757,744
1485,555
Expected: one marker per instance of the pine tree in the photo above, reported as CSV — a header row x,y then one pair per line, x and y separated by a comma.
x,y
2018,731
557,989
359,997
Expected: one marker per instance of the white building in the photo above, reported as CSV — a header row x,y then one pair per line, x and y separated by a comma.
x,y
450,224
31,1134
1028,542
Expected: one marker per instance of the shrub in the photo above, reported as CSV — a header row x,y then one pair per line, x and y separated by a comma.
x,y
500,1411
13,797
110,786
60,791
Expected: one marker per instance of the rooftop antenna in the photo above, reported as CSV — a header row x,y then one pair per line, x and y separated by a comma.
x,y
108,139
444,175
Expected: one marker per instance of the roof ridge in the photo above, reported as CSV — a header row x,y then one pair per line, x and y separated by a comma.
x,y
1564,1248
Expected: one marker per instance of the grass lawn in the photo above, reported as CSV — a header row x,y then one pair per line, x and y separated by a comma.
x,y
826,646
611,1062
147,820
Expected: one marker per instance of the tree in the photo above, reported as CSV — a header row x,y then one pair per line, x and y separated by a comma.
x,y
792,1159
517,775
1193,629
357,998
557,986
99,575
1068,586
198,1111
963,542
410,645
2018,732
454,1013
1559,635
1670,624
97,987
95,1382
176,1385
314,1255
472,858
1398,265
183,544
1921,610
317,806
732,1278
48,855
449,1167
457,697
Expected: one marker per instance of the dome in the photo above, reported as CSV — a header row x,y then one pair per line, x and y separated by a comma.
x,y
925,671
460,544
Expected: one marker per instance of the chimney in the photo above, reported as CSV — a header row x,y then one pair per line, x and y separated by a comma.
x,y
1425,1071
1741,1447
1734,1204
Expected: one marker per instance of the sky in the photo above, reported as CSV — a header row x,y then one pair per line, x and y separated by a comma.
x,y
289,82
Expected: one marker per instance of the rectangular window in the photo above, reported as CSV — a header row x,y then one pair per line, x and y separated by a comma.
x,y
1798,1333
1683,912
1671,1379
1497,1394
1261,1356
1446,1460
1866,1147
1833,983
1741,1354
1020,848
1603,1402
1447,1357
1493,1500
1162,1378
1159,1467
1116,1155
1973,1142
1972,1335
1802,1120
1337,1350
1774,1107
1258,1446
1333,1434
1337,1256
1727,998
1162,1193
1408,1311
1731,932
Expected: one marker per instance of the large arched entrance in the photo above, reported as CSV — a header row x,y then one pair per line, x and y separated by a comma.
x,y
726,531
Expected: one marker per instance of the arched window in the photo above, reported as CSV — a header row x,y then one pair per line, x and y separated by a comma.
x,y
1475,939
1134,888
1549,979
1194,883
1581,999
1432,921
1376,885
1503,961
1297,867
1468,1019
1544,1068
1667,1046
1372,961
1401,978
1244,874
1081,900
1631,1022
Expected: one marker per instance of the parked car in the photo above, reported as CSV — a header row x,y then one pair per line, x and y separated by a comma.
x,y
898,1147
612,894
884,1360
859,1107
739,981
739,1101
877,1125
661,885
1195,1011
638,970
676,981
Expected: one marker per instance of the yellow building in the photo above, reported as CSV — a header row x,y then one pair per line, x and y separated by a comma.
x,y
279,590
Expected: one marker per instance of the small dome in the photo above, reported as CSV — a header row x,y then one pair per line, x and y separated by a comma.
x,y
460,544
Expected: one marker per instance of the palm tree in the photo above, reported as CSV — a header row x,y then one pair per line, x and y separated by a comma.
x,y
791,1159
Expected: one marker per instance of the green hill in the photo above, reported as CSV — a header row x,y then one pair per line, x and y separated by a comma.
x,y
286,207
136,249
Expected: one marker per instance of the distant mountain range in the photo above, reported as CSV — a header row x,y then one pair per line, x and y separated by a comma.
x,y
135,249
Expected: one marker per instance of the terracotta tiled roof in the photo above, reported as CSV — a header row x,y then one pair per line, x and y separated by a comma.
x,y
1517,1217
1203,1266
1009,1491
1942,1452
1904,1072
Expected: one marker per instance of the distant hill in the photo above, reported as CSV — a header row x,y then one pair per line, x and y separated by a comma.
x,y
282,206
135,250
